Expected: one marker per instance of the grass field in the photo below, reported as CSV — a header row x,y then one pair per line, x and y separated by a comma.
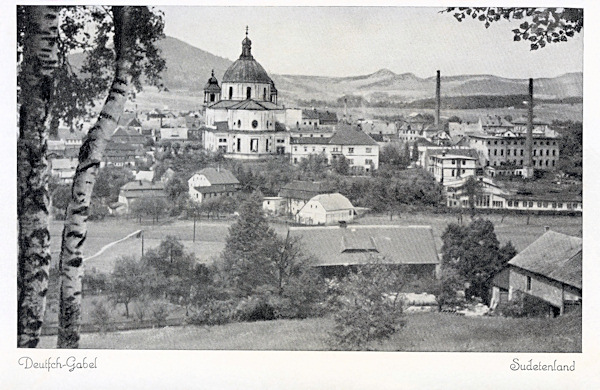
x,y
211,234
425,332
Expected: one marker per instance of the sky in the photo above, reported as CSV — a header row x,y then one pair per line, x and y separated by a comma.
x,y
348,41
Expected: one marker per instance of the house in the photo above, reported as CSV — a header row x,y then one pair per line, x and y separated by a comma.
x,y
326,209
144,175
274,205
360,150
212,182
122,154
549,269
129,136
298,193
447,166
72,138
173,133
63,169
337,250
137,189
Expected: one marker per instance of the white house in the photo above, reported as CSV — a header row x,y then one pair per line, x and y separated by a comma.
x,y
326,209
448,167
212,182
137,189
64,168
360,150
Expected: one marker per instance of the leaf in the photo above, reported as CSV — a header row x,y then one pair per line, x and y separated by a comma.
x,y
534,46
517,38
482,17
524,25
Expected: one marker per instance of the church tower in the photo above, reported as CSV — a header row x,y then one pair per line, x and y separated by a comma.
x,y
212,90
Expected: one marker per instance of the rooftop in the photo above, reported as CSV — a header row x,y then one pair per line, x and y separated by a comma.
x,y
333,202
555,256
356,244
218,176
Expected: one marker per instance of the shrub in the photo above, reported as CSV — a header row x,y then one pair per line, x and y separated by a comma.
x,y
100,315
524,305
214,312
366,308
160,312
255,308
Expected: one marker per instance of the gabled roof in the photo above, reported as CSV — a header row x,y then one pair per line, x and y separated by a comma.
x,y
143,185
310,114
346,135
327,117
304,190
333,202
63,163
356,244
218,176
554,255
309,140
66,133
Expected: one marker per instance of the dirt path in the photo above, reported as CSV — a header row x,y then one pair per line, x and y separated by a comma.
x,y
105,247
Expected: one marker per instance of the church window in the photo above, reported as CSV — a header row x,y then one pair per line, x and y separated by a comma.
x,y
254,124
230,93
264,94
254,145
239,123
248,92
212,97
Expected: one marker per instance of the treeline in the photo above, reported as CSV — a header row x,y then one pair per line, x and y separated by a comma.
x,y
448,102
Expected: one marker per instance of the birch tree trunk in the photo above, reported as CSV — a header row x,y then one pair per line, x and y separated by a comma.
x,y
40,59
90,156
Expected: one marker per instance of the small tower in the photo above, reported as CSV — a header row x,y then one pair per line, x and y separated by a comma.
x,y
212,90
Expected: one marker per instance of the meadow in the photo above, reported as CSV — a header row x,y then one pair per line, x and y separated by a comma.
x,y
423,332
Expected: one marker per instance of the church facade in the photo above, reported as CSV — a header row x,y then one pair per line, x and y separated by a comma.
x,y
243,118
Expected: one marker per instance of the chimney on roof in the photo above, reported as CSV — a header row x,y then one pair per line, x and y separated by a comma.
x,y
528,168
546,228
438,100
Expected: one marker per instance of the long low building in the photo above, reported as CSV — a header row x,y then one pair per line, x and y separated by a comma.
x,y
340,249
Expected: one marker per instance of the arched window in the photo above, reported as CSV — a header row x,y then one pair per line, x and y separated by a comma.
x,y
248,92
239,123
230,93
264,94
212,97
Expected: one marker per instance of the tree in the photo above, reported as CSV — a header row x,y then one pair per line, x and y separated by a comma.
x,y
249,249
540,26
38,32
109,182
475,253
341,165
368,307
126,282
473,189
134,31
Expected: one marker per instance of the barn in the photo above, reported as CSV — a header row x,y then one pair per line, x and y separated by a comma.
x,y
338,250
549,269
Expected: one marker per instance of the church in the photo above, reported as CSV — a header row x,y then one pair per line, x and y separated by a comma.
x,y
243,118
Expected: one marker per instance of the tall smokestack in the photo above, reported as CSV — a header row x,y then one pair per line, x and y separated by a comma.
x,y
528,172
438,101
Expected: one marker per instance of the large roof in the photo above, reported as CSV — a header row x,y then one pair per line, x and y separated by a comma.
x,y
143,185
346,135
553,255
218,176
333,202
304,190
246,69
357,244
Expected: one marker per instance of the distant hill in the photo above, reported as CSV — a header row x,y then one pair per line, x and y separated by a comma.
x,y
188,68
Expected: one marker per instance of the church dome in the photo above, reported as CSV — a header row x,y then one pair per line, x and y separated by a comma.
x,y
246,69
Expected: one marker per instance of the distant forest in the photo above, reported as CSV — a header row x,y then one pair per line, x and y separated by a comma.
x,y
448,102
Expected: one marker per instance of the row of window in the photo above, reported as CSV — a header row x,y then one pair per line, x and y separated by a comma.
x,y
523,143
521,152
538,163
335,149
554,205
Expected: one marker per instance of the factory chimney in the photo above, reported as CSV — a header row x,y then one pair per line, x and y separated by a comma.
x,y
438,101
528,166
